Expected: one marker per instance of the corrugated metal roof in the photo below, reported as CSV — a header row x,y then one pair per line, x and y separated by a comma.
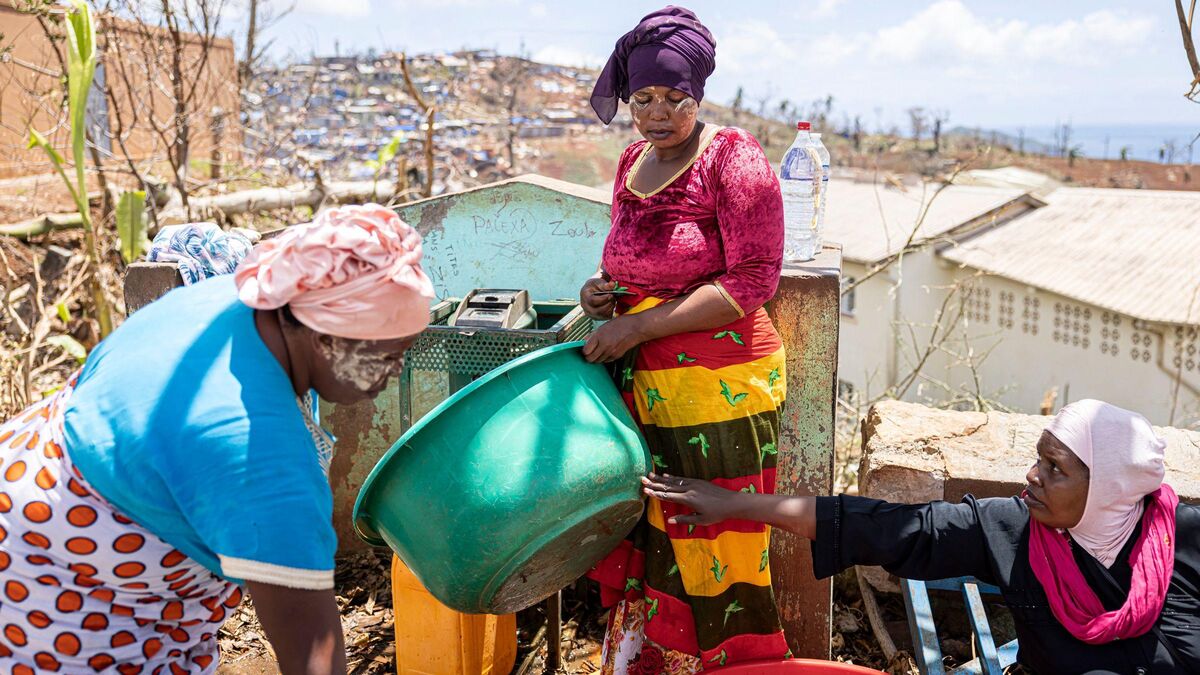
x,y
872,221
1039,184
1136,252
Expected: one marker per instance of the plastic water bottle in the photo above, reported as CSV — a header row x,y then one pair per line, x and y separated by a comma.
x,y
801,166
823,196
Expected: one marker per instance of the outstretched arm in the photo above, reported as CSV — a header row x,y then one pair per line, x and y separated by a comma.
x,y
935,540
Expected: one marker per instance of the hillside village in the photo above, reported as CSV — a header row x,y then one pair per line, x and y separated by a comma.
x,y
339,111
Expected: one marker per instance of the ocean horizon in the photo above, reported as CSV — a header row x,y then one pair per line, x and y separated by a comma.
x,y
1166,143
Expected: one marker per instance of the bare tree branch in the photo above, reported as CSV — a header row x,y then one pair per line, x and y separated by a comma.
x,y
430,111
1189,46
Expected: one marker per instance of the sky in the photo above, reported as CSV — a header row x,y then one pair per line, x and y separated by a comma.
x,y
984,63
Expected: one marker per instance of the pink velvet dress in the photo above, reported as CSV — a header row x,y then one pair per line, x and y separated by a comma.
x,y
720,221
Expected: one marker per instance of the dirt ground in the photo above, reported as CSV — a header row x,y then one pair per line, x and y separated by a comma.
x,y
367,618
364,595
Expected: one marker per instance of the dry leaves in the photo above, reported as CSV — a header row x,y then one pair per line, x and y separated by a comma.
x,y
364,598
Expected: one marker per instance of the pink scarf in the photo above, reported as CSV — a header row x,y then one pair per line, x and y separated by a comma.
x,y
1073,601
1125,458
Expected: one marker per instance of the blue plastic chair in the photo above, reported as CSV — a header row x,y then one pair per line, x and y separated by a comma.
x,y
991,660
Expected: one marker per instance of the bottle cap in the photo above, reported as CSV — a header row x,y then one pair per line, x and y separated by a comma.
x,y
803,126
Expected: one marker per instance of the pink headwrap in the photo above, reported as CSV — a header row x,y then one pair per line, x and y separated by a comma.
x,y
1125,459
354,272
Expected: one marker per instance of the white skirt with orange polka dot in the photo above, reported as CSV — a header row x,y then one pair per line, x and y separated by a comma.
x,y
86,589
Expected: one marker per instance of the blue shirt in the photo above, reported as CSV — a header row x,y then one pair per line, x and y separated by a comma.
x,y
186,423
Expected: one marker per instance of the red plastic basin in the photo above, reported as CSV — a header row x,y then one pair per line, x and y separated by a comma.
x,y
795,667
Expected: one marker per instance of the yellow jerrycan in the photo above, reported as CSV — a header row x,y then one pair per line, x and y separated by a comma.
x,y
432,639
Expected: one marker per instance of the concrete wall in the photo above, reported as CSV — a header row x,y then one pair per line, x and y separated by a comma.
x,y
23,38
805,311
1031,341
31,91
884,340
531,232
864,360
1007,331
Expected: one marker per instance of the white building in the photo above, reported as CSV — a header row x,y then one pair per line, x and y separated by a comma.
x,y
1021,301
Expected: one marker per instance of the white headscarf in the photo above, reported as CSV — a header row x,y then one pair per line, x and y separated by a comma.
x,y
1125,458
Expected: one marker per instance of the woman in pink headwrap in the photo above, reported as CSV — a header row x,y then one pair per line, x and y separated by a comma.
x,y
183,463
1097,559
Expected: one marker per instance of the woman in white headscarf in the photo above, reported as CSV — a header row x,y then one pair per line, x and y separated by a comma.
x,y
1097,559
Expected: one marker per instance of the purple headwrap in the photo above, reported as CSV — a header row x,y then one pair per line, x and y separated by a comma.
x,y
669,48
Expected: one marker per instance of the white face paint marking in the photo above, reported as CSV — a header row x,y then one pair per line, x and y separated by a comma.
x,y
355,364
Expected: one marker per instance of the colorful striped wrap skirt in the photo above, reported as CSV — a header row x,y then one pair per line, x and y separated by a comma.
x,y
687,598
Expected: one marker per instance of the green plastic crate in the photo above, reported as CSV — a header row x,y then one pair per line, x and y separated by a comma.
x,y
458,355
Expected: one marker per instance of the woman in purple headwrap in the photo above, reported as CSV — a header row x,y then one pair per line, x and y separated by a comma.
x,y
695,250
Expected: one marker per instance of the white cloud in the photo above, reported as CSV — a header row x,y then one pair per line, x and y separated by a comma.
x,y
566,56
827,8
348,8
753,45
947,32
538,10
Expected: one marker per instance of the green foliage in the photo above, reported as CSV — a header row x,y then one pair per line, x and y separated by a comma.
x,y
69,345
131,225
36,140
81,70
386,154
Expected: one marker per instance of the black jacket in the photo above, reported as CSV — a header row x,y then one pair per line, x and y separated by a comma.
x,y
989,539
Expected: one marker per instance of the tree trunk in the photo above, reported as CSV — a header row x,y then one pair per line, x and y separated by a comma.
x,y
512,131
218,134
270,199
180,121
429,115
430,111
42,224
222,206
247,69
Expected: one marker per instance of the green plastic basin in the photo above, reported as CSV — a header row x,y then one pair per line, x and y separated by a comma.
x,y
513,487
